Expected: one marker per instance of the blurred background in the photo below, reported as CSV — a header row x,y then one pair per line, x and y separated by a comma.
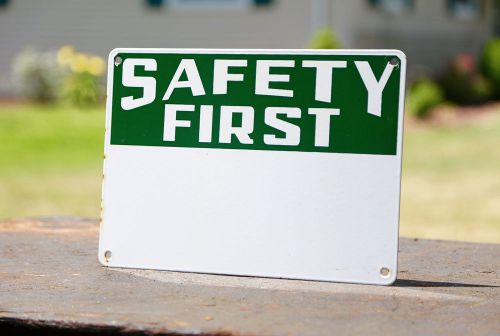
x,y
52,92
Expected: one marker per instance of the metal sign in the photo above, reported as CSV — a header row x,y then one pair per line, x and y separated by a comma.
x,y
274,163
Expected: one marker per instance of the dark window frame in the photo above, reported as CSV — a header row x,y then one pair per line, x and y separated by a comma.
x,y
474,17
407,6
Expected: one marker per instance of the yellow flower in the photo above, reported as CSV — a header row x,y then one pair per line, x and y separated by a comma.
x,y
80,63
96,65
65,55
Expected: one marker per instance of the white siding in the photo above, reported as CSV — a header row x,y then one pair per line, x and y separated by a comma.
x,y
98,26
428,34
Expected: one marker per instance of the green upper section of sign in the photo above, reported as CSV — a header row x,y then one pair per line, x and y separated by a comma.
x,y
353,130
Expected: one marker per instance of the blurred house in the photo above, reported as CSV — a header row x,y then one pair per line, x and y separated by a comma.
x,y
430,32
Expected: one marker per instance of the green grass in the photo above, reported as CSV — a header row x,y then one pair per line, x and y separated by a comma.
x,y
51,164
51,160
451,182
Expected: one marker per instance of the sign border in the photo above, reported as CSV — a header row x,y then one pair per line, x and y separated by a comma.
x,y
347,52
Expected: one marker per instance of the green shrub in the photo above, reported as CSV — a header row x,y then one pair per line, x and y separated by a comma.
x,y
463,84
47,76
324,38
490,63
82,89
83,82
37,75
423,95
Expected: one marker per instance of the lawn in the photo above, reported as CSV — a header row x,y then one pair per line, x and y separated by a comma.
x,y
451,181
52,160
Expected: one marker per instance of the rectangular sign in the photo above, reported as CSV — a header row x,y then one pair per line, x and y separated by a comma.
x,y
276,163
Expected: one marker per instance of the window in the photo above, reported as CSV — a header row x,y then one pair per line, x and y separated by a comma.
x,y
464,9
496,17
4,4
392,6
206,4
209,3
154,3
262,2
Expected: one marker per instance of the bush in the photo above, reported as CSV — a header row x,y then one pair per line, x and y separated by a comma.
x,y
81,89
46,76
490,63
37,75
324,38
82,85
423,96
463,84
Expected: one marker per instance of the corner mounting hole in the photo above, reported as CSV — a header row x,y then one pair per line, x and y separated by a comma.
x,y
118,60
107,255
394,61
385,272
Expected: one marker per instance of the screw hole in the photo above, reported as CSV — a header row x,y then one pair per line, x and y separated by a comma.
x,y
118,60
107,256
385,272
394,61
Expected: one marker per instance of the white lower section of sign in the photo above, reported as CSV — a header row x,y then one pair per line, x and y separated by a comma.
x,y
317,216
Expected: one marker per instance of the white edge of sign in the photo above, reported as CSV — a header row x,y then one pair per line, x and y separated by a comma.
x,y
341,52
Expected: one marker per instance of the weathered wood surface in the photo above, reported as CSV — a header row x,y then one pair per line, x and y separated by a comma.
x,y
49,275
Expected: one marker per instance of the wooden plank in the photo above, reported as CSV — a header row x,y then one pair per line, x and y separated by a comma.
x,y
50,276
